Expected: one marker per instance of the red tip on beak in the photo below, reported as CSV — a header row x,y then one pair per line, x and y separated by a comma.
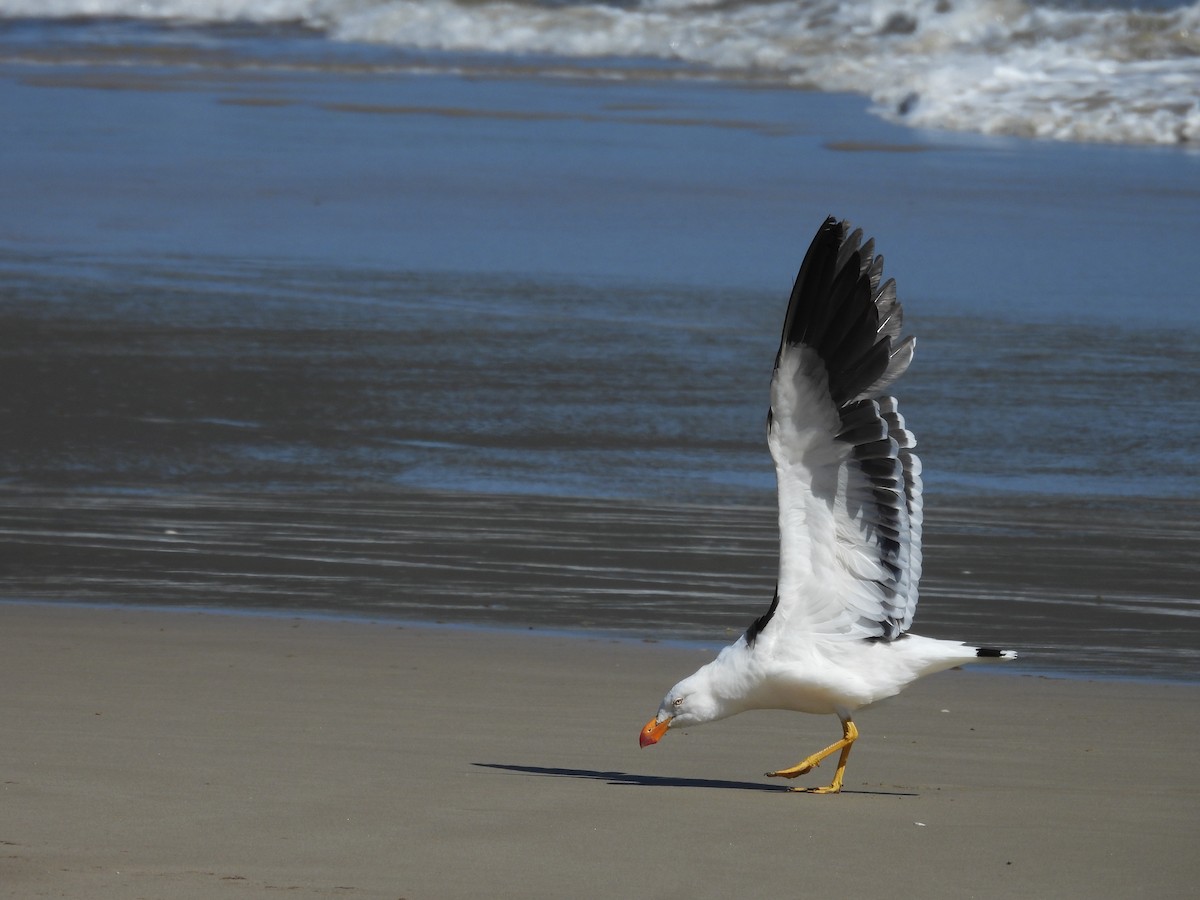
x,y
653,731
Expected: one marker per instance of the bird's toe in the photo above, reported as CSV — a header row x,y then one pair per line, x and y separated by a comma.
x,y
792,772
828,789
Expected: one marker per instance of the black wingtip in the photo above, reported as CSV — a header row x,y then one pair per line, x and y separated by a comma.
x,y
991,652
841,308
811,289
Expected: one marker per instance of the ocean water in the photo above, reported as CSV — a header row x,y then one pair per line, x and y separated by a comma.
x,y
293,323
1085,71
533,453
243,375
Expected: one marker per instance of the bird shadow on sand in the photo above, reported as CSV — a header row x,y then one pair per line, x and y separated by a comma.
x,y
627,778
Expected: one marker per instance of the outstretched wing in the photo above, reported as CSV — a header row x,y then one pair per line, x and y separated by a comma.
x,y
849,483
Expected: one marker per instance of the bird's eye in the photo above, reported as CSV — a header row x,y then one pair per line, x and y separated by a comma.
x,y
678,702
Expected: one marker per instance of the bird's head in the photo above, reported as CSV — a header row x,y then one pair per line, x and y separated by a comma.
x,y
691,702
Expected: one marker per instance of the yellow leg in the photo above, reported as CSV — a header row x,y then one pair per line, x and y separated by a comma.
x,y
849,736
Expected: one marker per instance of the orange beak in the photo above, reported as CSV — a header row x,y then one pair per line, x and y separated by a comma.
x,y
653,731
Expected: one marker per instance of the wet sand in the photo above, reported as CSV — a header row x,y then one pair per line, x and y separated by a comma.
x,y
1079,586
185,755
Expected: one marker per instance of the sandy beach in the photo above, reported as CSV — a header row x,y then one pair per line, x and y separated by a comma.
x,y
189,755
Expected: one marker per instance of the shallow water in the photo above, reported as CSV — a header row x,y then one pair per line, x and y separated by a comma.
x,y
267,439
206,372
495,351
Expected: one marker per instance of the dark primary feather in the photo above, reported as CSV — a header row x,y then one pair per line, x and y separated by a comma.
x,y
839,308
761,622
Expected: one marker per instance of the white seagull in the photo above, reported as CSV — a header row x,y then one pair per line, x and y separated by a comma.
x,y
835,638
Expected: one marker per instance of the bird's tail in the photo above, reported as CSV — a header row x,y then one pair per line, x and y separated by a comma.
x,y
992,653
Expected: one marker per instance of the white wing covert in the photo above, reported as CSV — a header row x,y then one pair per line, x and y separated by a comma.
x,y
850,509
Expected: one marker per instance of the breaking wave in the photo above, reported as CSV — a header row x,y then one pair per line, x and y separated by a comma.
x,y
1084,71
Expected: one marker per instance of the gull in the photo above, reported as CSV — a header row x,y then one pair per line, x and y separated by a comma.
x,y
835,638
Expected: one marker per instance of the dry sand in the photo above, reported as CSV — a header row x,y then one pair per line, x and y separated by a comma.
x,y
191,755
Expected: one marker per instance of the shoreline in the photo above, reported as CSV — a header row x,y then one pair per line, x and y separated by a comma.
x,y
1075,588
189,755
1020,669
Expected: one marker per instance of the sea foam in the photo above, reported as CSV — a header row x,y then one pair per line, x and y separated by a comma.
x,y
1082,72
